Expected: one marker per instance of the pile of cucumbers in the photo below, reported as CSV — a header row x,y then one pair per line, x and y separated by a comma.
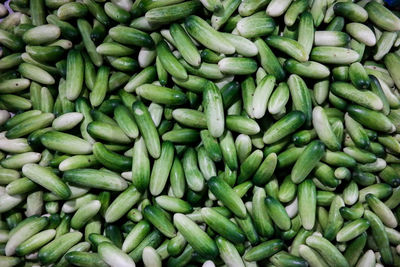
x,y
199,133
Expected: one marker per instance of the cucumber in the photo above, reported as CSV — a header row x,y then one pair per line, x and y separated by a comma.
x,y
356,132
74,79
284,127
190,118
45,53
194,177
110,159
10,40
288,46
361,33
56,249
278,213
147,128
328,251
306,29
161,168
380,236
392,61
227,196
276,8
334,55
161,95
112,255
264,250
185,45
309,69
100,179
350,11
382,17
42,34
130,36
222,225
252,26
196,237
207,36
364,98
242,125
370,119
85,213
307,197
295,9
169,61
107,132
300,96
46,178
22,232
81,258
284,258
307,161
243,46
65,143
159,220
358,76
237,66
262,94
311,256
100,86
324,129
265,170
352,230
124,118
35,242
181,136
36,74
170,13
211,145
135,236
331,38
212,102
268,60
117,13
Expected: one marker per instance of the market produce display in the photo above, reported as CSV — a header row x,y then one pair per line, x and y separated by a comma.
x,y
199,133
